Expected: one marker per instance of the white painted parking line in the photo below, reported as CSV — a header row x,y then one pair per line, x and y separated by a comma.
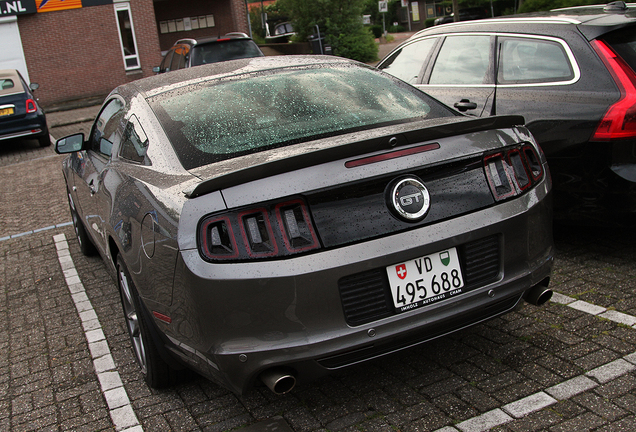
x,y
485,421
61,225
571,387
528,405
119,406
565,390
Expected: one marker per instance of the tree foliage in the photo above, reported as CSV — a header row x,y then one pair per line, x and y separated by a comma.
x,y
544,5
339,21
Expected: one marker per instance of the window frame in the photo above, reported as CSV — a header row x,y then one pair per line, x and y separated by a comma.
x,y
502,37
125,6
496,35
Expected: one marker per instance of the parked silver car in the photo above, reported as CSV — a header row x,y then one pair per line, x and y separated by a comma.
x,y
280,218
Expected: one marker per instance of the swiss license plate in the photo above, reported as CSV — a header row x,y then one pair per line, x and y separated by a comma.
x,y
425,280
6,111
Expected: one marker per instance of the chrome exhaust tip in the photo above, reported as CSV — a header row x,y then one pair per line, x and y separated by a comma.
x,y
279,380
538,294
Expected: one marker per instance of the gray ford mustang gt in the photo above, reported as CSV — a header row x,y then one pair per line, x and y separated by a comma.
x,y
274,219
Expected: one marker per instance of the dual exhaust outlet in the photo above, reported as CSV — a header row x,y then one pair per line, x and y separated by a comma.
x,y
281,380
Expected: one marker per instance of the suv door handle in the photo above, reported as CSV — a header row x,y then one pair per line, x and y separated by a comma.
x,y
465,105
92,188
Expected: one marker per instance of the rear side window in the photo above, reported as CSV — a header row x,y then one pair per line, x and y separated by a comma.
x,y
624,43
6,84
230,49
222,119
529,60
462,60
135,144
406,64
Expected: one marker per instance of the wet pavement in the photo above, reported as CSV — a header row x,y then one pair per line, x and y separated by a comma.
x,y
567,366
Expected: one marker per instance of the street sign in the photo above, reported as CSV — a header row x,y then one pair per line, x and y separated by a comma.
x,y
383,6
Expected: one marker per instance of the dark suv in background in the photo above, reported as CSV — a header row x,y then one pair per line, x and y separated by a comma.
x,y
569,72
186,53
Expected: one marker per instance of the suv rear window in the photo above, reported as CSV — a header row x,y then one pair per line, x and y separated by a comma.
x,y
624,43
230,49
226,118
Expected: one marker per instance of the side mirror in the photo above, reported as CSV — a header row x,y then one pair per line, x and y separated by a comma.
x,y
70,144
34,86
156,69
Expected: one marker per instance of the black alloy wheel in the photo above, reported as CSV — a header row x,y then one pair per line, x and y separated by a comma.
x,y
157,373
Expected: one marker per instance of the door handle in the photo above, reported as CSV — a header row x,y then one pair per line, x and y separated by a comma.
x,y
465,105
92,188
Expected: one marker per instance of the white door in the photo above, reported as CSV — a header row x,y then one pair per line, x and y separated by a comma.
x,y
12,54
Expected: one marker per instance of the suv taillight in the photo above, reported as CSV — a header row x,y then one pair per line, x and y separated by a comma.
x,y
271,231
30,106
512,171
620,119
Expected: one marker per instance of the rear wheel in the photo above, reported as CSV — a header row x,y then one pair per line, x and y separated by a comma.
x,y
157,373
44,140
86,244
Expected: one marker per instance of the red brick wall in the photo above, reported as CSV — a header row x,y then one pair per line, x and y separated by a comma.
x,y
76,53
229,16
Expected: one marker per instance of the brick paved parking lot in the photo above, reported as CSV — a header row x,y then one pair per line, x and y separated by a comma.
x,y
568,366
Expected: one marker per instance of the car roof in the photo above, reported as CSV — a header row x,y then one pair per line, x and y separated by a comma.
x,y
592,21
212,39
13,75
163,82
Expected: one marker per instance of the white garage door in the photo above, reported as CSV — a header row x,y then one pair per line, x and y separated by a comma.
x,y
12,54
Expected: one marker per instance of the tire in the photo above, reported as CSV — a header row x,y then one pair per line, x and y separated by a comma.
x,y
157,373
44,140
86,244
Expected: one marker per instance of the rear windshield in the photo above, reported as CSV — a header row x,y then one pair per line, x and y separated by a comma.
x,y
231,49
222,119
624,43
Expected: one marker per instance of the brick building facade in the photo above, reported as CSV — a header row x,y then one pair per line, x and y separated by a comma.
x,y
89,49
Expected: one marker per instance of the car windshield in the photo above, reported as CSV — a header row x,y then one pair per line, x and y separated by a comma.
x,y
224,118
230,49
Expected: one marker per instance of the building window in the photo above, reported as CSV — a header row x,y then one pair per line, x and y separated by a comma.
x,y
127,35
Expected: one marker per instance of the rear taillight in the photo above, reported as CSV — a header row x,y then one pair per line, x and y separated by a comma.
x,y
31,107
512,171
620,119
275,230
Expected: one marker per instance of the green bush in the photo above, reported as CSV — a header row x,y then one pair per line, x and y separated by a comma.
x,y
357,46
377,30
396,29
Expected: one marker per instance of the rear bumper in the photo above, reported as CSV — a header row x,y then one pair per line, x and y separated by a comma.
x,y
31,125
231,322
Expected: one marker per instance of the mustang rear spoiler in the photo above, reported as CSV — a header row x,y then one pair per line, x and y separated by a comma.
x,y
400,135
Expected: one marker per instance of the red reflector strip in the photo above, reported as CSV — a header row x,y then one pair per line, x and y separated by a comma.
x,y
162,317
391,155
223,40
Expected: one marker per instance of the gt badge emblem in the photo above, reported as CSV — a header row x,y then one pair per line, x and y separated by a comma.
x,y
408,199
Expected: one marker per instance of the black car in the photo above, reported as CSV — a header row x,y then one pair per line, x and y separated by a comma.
x,y
20,114
466,14
186,53
569,72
